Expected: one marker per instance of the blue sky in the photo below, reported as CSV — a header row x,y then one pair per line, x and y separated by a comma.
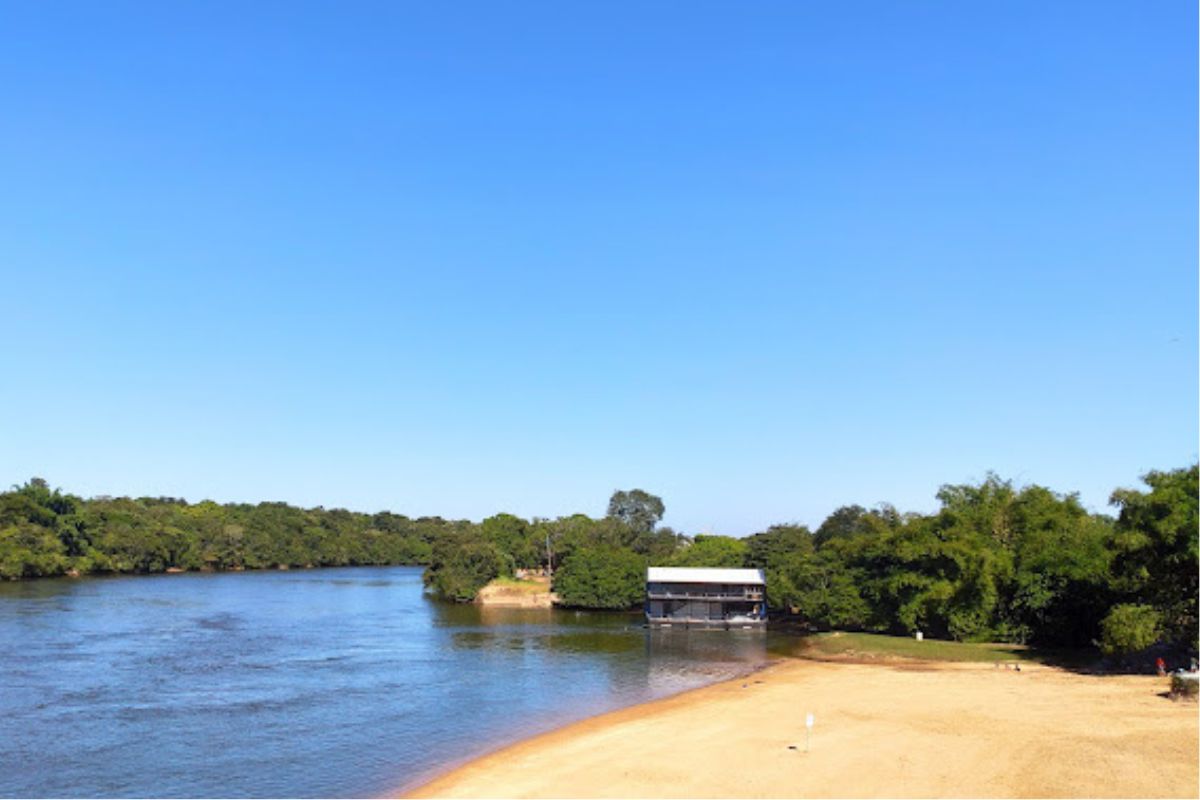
x,y
761,259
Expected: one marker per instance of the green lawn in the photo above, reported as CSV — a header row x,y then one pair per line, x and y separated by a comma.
x,y
879,646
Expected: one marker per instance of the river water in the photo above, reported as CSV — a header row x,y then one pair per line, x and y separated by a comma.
x,y
315,683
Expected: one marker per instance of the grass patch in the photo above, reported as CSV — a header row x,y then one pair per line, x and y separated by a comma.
x,y
522,586
874,645
878,646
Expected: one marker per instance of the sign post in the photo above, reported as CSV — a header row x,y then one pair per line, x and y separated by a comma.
x,y
808,725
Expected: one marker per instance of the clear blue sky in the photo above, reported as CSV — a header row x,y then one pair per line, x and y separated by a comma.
x,y
446,258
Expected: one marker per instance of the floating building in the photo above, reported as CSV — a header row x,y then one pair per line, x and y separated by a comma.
x,y
705,596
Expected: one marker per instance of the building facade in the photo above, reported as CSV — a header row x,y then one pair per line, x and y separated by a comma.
x,y
706,597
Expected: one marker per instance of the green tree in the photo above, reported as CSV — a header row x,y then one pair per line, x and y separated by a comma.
x,y
601,577
639,510
568,534
1156,546
461,566
512,535
711,551
658,545
826,592
1129,628
1058,589
778,547
781,552
843,523
30,551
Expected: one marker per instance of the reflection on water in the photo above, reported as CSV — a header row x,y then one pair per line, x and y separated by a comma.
x,y
347,682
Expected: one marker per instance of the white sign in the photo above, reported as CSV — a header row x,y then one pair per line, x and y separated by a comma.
x,y
808,721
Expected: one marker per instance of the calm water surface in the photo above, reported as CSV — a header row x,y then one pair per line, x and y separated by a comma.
x,y
330,683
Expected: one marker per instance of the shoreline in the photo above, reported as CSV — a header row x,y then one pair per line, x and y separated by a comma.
x,y
172,571
420,785
893,729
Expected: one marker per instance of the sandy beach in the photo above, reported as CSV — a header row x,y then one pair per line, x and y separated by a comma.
x,y
881,730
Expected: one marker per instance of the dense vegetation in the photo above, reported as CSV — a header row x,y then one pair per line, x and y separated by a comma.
x,y
44,532
995,562
999,563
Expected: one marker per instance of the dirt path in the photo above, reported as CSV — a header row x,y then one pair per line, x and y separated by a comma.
x,y
881,731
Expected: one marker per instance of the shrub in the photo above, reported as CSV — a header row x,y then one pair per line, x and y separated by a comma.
x,y
1129,628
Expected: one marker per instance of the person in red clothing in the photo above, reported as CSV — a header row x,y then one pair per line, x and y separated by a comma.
x,y
1162,665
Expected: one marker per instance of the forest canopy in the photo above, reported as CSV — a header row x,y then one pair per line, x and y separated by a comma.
x,y
995,561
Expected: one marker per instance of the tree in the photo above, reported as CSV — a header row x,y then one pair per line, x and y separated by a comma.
x,y
780,552
842,523
639,510
778,547
578,531
986,509
1058,589
461,566
657,545
512,536
601,577
1129,628
711,551
826,592
1156,548
30,551
39,511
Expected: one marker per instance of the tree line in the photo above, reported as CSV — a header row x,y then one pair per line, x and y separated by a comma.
x,y
994,562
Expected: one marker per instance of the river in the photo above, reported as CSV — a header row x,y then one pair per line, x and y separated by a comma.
x,y
312,683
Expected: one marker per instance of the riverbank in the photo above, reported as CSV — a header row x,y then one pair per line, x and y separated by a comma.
x,y
517,593
896,730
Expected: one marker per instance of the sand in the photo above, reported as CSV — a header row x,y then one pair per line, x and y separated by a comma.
x,y
908,730
499,594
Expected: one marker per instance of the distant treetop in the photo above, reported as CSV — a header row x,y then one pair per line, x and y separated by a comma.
x,y
639,510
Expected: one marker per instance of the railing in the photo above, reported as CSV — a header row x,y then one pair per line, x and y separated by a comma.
x,y
746,596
